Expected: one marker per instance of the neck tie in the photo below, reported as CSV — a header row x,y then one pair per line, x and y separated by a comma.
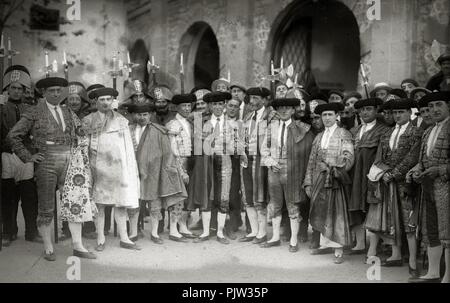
x,y
16,107
58,117
282,139
363,130
253,123
394,146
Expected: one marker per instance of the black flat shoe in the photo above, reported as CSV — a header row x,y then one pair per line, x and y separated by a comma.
x,y
132,246
178,239
100,247
156,240
189,236
201,239
259,240
420,280
246,239
222,240
293,249
392,263
270,244
413,272
323,251
49,257
134,239
84,255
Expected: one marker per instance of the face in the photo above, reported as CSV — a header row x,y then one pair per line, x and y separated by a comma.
x,y
419,95
233,107
161,106
426,115
237,94
54,94
201,106
256,102
15,91
329,118
388,116
281,91
29,95
408,87
334,98
351,102
285,112
222,87
104,103
74,102
316,122
142,118
439,110
368,113
401,116
445,67
300,110
382,94
217,108
139,98
184,109
346,113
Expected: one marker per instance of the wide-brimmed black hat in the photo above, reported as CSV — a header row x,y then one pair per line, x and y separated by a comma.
x,y
285,102
368,102
139,108
335,106
258,91
183,98
51,81
436,96
104,91
217,97
402,104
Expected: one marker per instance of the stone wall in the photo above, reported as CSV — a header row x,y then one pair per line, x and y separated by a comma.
x,y
89,43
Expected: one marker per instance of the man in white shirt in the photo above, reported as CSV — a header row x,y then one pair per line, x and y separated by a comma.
x,y
285,151
254,174
238,93
366,137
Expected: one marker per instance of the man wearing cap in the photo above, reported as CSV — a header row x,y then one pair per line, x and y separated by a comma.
x,y
200,105
433,172
220,85
366,139
181,134
441,81
219,147
327,183
113,162
54,130
335,96
381,90
316,120
254,174
302,110
284,151
17,176
398,152
161,175
238,93
162,96
280,90
349,117
423,119
232,112
136,93
408,85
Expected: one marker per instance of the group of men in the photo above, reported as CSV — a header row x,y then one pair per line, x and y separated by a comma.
x,y
349,167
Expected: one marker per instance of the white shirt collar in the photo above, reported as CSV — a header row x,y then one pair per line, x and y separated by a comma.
x,y
180,117
259,113
332,128
288,122
370,124
51,106
404,126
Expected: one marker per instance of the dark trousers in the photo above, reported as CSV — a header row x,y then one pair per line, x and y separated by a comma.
x,y
315,239
108,210
235,197
25,191
304,213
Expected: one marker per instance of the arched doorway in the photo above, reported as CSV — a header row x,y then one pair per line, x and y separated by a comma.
x,y
139,54
321,40
201,54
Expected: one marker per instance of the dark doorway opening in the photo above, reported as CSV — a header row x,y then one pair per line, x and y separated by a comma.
x,y
206,68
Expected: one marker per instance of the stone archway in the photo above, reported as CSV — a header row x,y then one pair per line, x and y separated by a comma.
x,y
201,55
321,39
139,53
